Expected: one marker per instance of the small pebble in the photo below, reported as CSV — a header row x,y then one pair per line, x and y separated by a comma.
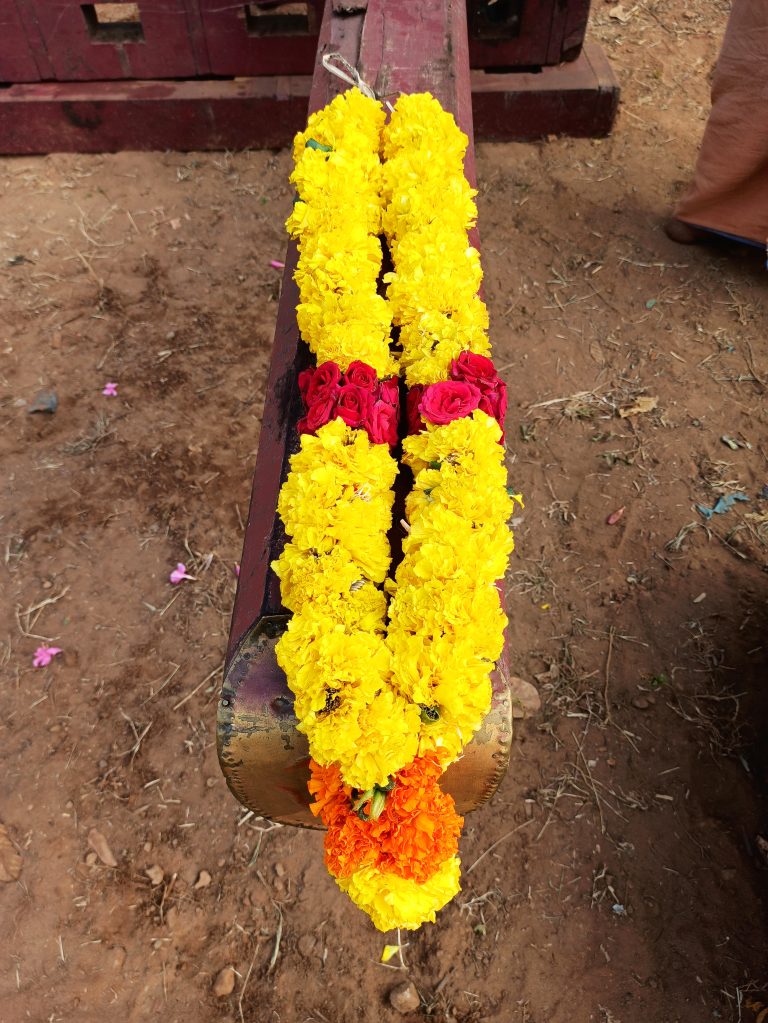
x,y
156,874
44,401
91,859
203,879
224,984
640,702
404,998
100,846
280,870
117,956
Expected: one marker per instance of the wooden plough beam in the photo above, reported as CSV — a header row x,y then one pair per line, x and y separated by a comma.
x,y
397,46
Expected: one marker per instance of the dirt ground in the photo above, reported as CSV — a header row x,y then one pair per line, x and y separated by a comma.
x,y
627,878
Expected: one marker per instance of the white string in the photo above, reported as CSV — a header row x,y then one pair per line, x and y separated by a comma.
x,y
346,73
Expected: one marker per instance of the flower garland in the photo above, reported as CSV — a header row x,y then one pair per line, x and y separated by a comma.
x,y
446,621
386,710
336,504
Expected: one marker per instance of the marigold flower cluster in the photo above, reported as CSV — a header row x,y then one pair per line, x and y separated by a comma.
x,y
429,207
446,628
336,221
336,506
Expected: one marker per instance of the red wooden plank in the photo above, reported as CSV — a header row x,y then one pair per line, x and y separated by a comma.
x,y
529,48
81,49
265,43
575,28
579,99
17,63
106,117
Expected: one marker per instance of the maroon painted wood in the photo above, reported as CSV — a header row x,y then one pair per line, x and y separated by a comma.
x,y
17,61
258,39
537,33
107,117
579,99
82,50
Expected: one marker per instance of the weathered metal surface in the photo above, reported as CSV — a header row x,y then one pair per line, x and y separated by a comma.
x,y
579,99
397,47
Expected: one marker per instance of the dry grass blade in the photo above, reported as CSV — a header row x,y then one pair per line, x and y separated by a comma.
x,y
278,938
498,841
95,436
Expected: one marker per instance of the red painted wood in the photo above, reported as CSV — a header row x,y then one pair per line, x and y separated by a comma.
x,y
166,51
17,62
549,32
575,28
236,49
579,99
529,48
106,117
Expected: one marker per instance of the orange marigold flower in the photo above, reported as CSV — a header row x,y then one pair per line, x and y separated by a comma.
x,y
332,796
417,831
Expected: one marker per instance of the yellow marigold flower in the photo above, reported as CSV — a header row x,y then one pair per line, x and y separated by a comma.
x,y
391,901
348,112
419,122
323,660
388,741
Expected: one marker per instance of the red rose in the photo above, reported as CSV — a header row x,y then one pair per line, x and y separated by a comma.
x,y
474,369
450,399
305,378
382,424
412,401
389,391
495,402
363,375
323,384
317,415
354,405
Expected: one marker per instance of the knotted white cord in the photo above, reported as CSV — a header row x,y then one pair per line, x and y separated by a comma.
x,y
347,73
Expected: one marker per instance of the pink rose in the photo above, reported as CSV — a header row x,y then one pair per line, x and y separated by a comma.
x,y
389,391
413,398
450,399
382,424
354,405
363,375
474,369
323,384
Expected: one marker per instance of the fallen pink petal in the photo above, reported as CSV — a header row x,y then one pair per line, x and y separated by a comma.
x,y
179,573
44,655
614,517
276,264
237,570
110,390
